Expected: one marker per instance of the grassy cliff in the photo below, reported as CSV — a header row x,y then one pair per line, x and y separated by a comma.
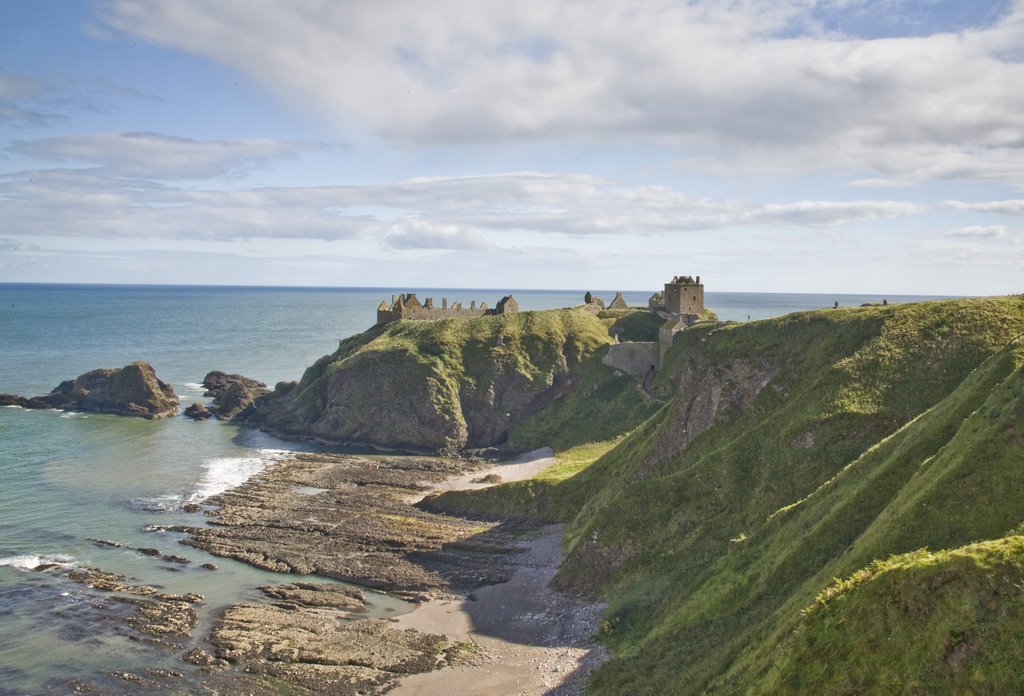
x,y
464,383
792,451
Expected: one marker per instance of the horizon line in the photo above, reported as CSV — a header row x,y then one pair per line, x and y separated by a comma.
x,y
390,288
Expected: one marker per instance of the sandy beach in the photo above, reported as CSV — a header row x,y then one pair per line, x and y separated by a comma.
x,y
523,467
533,640
481,588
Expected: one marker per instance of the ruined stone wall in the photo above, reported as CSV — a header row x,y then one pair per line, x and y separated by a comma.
x,y
634,359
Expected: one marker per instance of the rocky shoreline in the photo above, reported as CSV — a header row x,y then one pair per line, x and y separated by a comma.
x,y
485,614
349,518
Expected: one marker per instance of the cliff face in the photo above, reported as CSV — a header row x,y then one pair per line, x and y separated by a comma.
x,y
447,385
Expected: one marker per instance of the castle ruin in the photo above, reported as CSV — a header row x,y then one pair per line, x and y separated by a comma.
x,y
683,297
680,305
407,306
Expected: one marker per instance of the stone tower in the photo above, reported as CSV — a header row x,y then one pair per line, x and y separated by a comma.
x,y
684,295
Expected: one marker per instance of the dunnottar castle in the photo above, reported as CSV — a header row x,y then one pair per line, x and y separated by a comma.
x,y
682,301
680,304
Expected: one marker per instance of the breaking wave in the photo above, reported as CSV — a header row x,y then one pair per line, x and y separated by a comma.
x,y
224,473
29,561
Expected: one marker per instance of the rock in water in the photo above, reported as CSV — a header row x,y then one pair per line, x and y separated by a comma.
x,y
232,394
216,382
197,412
133,390
23,402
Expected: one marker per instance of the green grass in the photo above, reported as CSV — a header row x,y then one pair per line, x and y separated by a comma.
x,y
788,452
918,623
539,500
636,325
704,575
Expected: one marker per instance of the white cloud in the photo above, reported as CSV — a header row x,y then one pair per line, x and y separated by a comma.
x,y
161,157
414,233
980,232
1009,207
751,84
456,212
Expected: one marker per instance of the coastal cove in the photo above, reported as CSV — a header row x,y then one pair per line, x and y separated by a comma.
x,y
69,479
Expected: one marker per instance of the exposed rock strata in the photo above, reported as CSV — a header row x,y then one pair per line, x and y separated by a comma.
x,y
359,529
23,401
316,594
250,632
133,390
165,618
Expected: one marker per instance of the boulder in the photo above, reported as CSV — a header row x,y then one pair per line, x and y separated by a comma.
x,y
232,394
216,382
198,412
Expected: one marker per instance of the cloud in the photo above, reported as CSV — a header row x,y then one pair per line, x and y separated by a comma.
x,y
1009,207
440,213
414,233
27,101
161,157
751,85
980,232
15,90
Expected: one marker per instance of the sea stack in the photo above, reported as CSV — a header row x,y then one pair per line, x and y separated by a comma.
x,y
133,390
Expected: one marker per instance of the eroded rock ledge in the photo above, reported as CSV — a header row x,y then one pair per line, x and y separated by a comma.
x,y
356,525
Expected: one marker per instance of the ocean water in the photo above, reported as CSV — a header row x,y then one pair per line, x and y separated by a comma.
x,y
68,478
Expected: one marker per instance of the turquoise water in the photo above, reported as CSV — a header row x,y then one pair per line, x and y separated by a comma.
x,y
69,478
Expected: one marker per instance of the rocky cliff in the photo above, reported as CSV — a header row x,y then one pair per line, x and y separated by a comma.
x,y
133,390
456,384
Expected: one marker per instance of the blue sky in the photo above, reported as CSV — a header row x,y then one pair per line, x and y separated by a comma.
x,y
800,145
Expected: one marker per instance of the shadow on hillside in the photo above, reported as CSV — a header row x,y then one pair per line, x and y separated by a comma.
x,y
523,610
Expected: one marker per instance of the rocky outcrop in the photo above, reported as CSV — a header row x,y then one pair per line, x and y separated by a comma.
x,y
316,594
443,386
23,402
313,652
232,394
133,390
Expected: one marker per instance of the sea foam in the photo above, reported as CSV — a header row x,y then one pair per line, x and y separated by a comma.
x,y
224,473
29,561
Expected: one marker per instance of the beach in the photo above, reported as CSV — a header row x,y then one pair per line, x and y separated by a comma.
x,y
483,586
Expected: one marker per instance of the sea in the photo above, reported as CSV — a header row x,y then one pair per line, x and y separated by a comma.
x,y
69,479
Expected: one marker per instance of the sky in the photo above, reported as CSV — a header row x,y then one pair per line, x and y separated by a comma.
x,y
848,146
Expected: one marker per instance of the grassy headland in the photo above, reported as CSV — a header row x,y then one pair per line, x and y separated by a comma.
x,y
790,452
466,383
